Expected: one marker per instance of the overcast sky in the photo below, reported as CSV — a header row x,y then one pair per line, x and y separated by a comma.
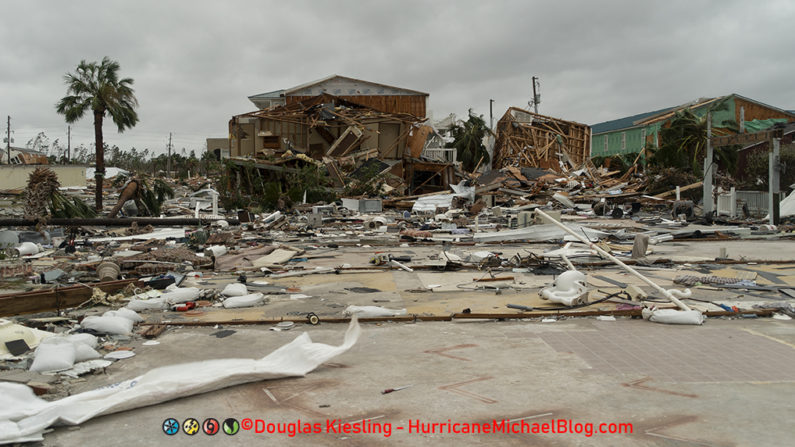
x,y
195,62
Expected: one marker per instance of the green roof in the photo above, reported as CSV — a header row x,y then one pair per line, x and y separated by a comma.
x,y
624,123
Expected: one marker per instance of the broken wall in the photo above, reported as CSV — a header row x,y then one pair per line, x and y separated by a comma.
x,y
527,139
16,176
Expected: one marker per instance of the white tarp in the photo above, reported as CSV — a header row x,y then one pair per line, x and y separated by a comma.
x,y
110,172
373,311
544,232
163,233
10,331
24,417
786,207
430,203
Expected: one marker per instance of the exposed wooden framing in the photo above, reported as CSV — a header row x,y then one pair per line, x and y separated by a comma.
x,y
526,139
332,116
267,166
634,167
296,118
439,171
411,104
394,145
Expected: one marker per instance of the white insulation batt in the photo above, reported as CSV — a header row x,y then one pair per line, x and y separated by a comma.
x,y
24,417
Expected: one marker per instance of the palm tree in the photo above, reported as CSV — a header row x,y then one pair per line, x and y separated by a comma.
x,y
97,87
684,141
468,141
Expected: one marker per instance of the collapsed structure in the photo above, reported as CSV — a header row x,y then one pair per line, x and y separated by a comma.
x,y
543,237
527,139
342,135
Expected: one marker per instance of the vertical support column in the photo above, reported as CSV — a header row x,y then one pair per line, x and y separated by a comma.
x,y
773,187
708,169
215,204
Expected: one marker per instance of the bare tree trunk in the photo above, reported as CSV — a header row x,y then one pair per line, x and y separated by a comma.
x,y
99,174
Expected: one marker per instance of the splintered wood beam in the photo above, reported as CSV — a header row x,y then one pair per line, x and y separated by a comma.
x,y
524,154
57,298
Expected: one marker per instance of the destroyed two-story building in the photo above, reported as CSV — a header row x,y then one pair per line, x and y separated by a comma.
x,y
342,122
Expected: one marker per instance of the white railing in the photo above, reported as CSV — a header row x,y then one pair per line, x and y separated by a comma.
x,y
731,203
448,155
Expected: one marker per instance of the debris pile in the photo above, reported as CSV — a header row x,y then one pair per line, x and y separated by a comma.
x,y
340,212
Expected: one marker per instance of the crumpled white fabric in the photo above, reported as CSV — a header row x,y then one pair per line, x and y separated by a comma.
x,y
673,316
373,311
250,300
24,417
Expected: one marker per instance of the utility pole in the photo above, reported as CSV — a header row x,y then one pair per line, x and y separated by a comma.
x,y
168,161
68,144
8,140
708,169
491,115
536,96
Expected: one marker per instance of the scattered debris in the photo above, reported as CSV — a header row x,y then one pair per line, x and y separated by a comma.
x,y
331,211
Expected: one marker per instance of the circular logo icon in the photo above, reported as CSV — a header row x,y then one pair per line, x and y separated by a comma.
x,y
190,426
171,426
211,426
231,426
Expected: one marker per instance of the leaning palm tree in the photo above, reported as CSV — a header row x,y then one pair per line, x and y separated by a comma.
x,y
97,87
684,141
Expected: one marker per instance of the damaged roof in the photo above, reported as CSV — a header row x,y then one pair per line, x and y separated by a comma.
x,y
327,107
379,88
646,118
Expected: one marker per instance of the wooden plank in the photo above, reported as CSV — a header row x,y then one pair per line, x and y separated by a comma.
x,y
540,312
325,134
55,299
496,278
742,139
266,166
153,331
683,188
335,173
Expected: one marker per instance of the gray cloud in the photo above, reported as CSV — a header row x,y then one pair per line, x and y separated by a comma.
x,y
194,63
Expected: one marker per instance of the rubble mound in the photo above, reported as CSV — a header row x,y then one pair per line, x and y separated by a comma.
x,y
42,183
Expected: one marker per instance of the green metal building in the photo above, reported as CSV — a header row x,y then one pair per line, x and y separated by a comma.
x,y
631,134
